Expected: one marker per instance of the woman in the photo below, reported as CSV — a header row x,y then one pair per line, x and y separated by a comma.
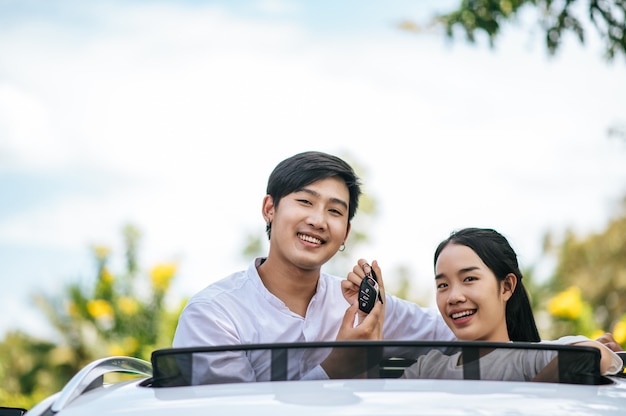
x,y
481,297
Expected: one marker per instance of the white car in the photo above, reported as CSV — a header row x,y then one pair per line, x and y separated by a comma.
x,y
376,381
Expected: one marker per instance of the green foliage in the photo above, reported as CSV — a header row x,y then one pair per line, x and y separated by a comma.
x,y
25,368
122,313
589,280
480,15
557,18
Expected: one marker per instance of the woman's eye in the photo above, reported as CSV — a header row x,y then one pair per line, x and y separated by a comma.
x,y
469,279
304,201
442,285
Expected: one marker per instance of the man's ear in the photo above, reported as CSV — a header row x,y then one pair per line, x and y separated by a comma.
x,y
267,209
348,228
508,286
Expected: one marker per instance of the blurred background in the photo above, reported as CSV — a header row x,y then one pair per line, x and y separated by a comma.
x,y
136,139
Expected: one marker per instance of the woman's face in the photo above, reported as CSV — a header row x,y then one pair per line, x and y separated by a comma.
x,y
469,297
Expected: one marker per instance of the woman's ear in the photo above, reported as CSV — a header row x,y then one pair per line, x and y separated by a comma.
x,y
508,286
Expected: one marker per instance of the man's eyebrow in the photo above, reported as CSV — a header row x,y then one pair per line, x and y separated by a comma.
x,y
317,194
464,270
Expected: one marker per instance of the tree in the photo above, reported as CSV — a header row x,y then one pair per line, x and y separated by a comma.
x,y
26,371
556,19
116,313
589,280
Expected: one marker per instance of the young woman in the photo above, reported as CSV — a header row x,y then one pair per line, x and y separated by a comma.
x,y
481,296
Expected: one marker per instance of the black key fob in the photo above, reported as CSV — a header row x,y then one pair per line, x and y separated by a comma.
x,y
368,292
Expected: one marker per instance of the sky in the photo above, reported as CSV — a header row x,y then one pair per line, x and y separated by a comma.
x,y
170,115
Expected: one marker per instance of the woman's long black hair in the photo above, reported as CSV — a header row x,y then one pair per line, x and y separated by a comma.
x,y
496,252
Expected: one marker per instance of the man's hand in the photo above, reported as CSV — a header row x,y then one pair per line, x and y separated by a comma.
x,y
350,286
345,362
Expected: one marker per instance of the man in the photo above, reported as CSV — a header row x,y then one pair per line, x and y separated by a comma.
x,y
285,297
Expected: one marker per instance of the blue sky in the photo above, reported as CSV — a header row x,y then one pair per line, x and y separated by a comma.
x,y
171,115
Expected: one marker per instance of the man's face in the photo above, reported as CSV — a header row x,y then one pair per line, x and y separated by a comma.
x,y
309,225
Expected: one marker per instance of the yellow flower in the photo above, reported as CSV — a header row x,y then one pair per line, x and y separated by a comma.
x,y
99,308
596,334
127,347
72,309
62,356
567,304
101,252
106,275
127,305
130,345
619,332
162,274
116,350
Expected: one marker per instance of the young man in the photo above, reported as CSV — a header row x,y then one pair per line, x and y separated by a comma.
x,y
285,297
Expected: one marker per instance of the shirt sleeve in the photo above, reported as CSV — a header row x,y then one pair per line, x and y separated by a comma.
x,y
201,325
616,362
317,373
405,320
194,329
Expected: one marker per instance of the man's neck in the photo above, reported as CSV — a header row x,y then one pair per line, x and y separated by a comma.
x,y
289,283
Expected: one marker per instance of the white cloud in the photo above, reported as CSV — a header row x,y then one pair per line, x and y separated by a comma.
x,y
193,108
25,128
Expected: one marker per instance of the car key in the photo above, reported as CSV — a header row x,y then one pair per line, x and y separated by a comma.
x,y
369,292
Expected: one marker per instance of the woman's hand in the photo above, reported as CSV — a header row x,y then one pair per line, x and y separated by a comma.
x,y
608,341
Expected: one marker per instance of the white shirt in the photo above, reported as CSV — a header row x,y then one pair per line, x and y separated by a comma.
x,y
502,364
240,310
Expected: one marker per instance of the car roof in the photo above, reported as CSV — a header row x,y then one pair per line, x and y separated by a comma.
x,y
380,395
364,397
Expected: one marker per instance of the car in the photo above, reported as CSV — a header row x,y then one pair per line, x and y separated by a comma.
x,y
376,378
